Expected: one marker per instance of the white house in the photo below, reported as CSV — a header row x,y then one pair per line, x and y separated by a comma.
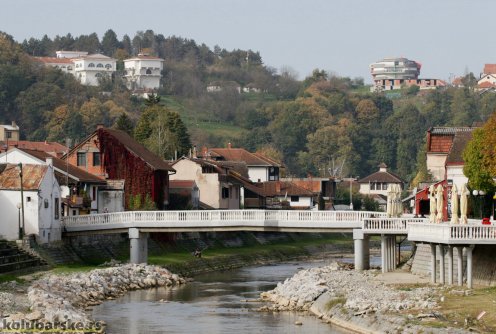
x,y
217,189
260,167
40,198
71,54
454,160
279,193
90,69
143,72
377,183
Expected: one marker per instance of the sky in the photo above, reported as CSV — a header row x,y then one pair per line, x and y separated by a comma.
x,y
448,37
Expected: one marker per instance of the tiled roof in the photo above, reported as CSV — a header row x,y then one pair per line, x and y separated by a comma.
x,y
383,177
455,155
486,84
74,172
52,148
450,130
52,60
240,154
139,150
182,184
283,188
489,68
32,175
144,57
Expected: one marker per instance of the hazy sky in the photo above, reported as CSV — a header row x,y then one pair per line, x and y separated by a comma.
x,y
342,36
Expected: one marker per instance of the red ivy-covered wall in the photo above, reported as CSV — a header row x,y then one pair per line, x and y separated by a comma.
x,y
120,163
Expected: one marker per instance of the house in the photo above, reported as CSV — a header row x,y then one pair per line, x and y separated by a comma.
x,y
143,72
377,183
70,54
79,189
219,86
322,187
64,64
184,194
285,194
260,167
439,143
114,155
90,69
39,212
218,188
9,132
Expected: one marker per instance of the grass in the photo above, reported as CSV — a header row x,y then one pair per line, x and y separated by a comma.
x,y
73,268
10,277
461,308
175,257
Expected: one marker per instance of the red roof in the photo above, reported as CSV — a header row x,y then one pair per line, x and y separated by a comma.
x,y
490,69
182,184
52,60
486,84
51,148
240,154
284,188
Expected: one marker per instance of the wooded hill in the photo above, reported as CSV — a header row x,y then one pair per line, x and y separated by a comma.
x,y
308,124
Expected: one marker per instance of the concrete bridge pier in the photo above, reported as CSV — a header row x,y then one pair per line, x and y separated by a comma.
x,y
388,253
362,250
138,246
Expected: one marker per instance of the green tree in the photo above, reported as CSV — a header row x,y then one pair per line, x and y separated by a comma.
x,y
110,43
125,124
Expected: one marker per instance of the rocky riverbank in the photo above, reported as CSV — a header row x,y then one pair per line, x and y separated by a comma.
x,y
56,299
358,301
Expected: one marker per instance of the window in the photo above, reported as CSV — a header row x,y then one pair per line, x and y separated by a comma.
x,y
56,208
372,186
225,192
108,66
295,198
148,71
94,193
69,68
91,65
46,203
81,159
384,186
99,65
8,134
28,199
96,159
98,75
273,173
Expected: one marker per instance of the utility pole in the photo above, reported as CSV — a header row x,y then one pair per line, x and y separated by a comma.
x,y
21,226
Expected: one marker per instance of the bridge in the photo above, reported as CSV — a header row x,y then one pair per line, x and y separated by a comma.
x,y
363,224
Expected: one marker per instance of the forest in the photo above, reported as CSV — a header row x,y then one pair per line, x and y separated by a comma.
x,y
312,125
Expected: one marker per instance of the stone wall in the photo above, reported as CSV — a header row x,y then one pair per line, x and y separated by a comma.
x,y
484,266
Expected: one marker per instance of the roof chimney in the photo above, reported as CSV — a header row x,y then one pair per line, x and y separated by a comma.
x,y
278,187
14,125
229,145
194,152
49,161
99,126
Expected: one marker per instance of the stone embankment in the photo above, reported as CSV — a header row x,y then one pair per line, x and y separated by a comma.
x,y
357,301
62,298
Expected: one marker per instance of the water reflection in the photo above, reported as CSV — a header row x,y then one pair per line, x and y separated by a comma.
x,y
213,303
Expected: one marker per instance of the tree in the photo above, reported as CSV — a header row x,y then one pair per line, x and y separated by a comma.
x,y
110,43
480,157
125,124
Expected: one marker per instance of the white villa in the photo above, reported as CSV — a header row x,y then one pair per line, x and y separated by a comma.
x,y
143,72
90,69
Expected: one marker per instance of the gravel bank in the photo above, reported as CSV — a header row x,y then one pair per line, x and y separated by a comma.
x,y
357,301
63,298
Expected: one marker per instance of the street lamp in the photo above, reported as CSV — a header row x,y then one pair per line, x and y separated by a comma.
x,y
21,224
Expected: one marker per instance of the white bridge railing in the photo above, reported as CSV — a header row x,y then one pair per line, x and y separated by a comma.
x,y
389,225
214,216
452,233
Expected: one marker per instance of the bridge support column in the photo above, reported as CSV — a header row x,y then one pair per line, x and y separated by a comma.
x,y
384,254
469,250
433,263
138,246
362,253
459,262
392,252
450,265
441,264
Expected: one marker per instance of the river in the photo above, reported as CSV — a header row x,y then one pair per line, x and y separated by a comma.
x,y
212,303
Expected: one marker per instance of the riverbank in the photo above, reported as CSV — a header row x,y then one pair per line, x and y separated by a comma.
x,y
364,302
62,300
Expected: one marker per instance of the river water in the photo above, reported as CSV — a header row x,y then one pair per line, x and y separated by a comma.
x,y
212,303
